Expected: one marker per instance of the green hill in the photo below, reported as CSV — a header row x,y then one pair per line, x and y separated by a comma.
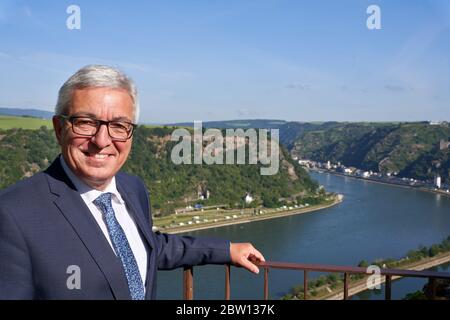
x,y
24,122
411,149
24,152
290,132
234,124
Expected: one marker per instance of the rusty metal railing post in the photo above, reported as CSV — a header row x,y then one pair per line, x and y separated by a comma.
x,y
227,282
188,283
266,283
305,284
346,285
432,288
388,288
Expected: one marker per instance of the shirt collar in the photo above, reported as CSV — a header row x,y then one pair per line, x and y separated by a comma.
x,y
86,191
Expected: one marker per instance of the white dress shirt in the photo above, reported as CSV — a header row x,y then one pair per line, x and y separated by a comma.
x,y
88,194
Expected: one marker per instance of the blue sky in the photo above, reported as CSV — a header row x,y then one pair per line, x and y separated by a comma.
x,y
216,60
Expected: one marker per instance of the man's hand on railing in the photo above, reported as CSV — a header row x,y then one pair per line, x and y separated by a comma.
x,y
245,255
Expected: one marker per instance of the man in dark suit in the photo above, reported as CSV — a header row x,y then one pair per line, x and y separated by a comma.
x,y
81,229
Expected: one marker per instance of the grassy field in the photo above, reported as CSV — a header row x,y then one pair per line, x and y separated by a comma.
x,y
9,122
193,220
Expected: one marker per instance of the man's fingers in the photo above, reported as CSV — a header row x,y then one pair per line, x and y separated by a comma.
x,y
249,266
246,256
256,254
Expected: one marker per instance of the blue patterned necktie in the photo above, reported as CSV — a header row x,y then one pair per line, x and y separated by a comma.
x,y
120,243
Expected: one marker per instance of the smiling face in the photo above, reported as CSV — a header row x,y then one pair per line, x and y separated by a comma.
x,y
95,160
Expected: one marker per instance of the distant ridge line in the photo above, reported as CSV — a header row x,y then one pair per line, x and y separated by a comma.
x,y
30,112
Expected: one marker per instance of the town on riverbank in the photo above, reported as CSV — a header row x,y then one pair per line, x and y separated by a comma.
x,y
435,186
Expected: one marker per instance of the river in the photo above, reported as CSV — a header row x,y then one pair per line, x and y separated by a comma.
x,y
374,221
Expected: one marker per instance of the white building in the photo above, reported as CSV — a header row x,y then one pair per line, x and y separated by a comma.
x,y
203,195
248,198
437,182
303,162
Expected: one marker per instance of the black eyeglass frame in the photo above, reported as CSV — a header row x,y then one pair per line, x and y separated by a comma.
x,y
99,124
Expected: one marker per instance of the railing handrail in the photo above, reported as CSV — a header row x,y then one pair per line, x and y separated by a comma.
x,y
306,268
353,270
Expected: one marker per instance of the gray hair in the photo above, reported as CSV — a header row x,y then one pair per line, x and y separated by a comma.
x,y
96,76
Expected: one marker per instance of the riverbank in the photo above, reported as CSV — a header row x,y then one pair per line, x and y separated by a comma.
x,y
420,188
361,285
248,219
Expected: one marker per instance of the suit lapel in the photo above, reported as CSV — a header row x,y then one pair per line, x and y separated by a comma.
x,y
78,215
131,200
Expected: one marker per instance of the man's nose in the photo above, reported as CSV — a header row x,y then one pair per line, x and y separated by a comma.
x,y
102,138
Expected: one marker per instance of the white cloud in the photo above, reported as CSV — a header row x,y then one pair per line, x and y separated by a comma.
x,y
298,86
27,11
394,88
67,64
4,55
404,65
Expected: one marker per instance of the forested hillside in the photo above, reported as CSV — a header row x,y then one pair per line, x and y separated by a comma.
x,y
410,149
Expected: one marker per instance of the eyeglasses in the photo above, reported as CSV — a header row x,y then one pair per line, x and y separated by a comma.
x,y
88,127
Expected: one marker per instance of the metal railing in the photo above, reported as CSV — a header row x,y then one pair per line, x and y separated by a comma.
x,y
188,277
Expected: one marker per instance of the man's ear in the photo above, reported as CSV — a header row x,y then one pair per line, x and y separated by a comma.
x,y
58,127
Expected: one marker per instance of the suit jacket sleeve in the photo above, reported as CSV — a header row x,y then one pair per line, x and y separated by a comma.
x,y
15,266
175,251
